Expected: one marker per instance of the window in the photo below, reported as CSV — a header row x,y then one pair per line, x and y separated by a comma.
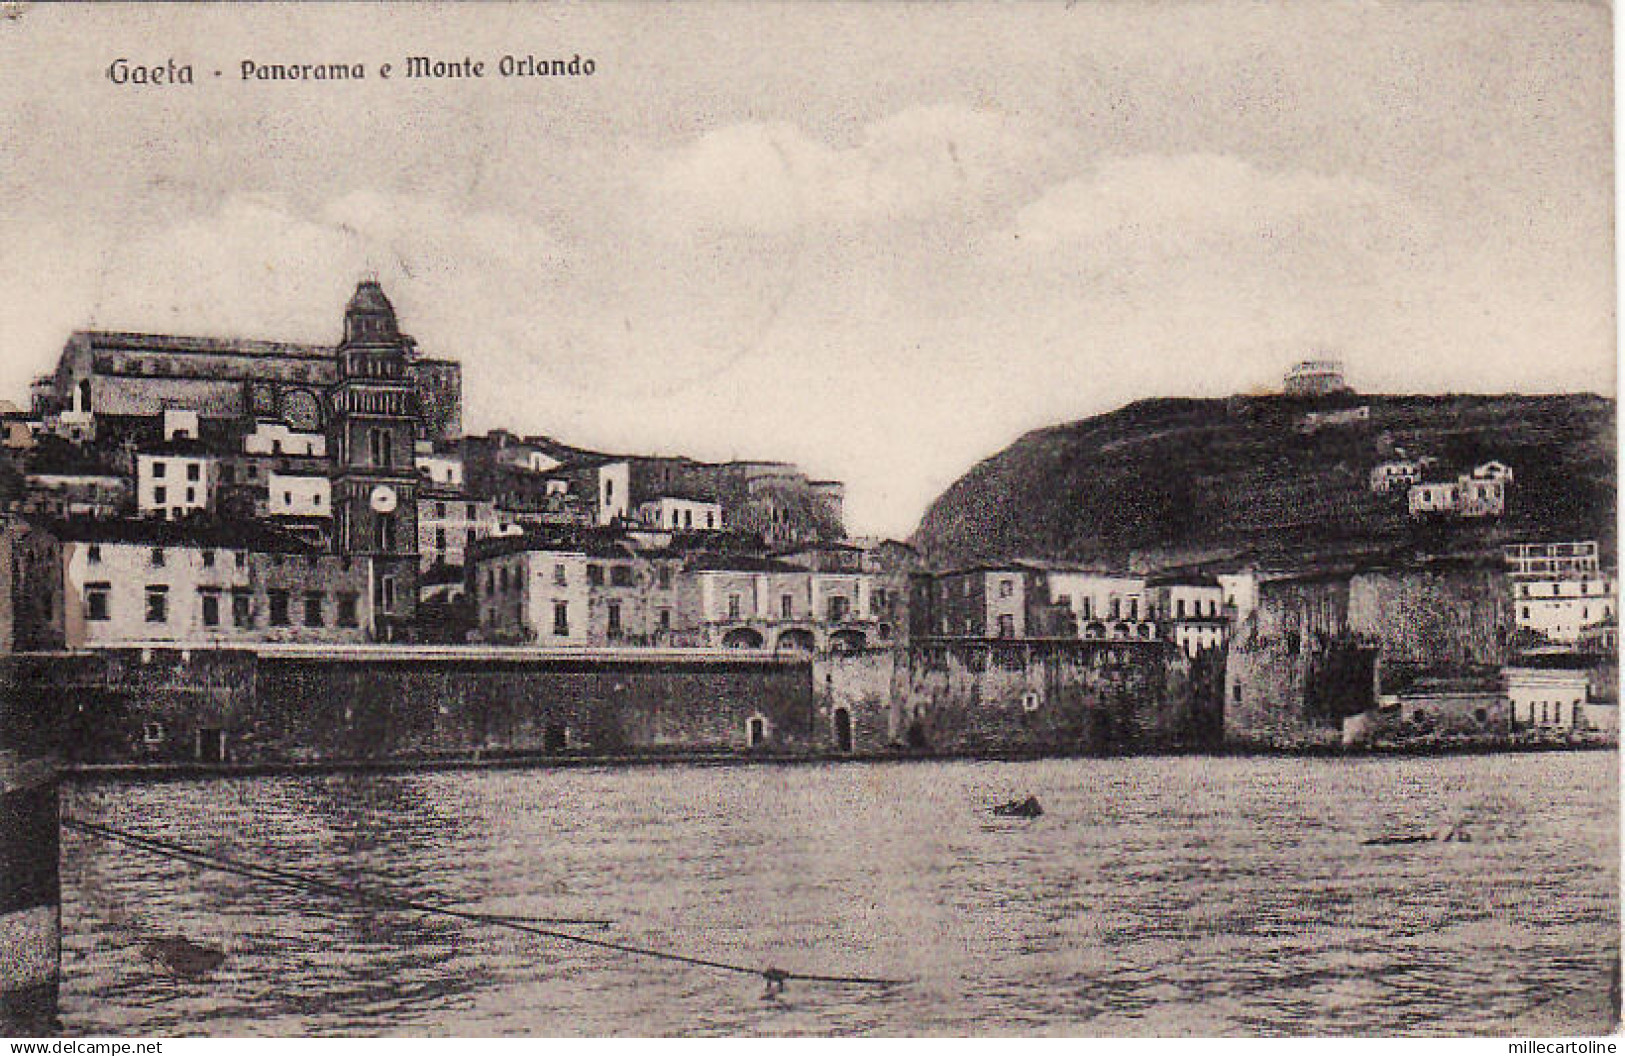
x,y
94,554
191,496
1007,587
158,468
838,608
595,575
787,606
1235,693
313,609
160,495
733,606
440,510
211,609
1007,625
157,604
96,601
439,538
253,471
157,557
561,619
192,470
347,610
385,601
614,619
559,577
471,513
242,558
664,575
279,608
242,610
386,531
620,575
208,559
665,619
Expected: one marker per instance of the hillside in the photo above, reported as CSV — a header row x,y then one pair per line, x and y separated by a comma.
x,y
1184,480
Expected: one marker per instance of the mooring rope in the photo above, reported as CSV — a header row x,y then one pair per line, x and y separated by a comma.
x,y
775,977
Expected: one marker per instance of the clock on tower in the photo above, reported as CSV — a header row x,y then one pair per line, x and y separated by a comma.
x,y
371,431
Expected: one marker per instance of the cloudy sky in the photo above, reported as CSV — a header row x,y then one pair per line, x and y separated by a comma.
x,y
882,241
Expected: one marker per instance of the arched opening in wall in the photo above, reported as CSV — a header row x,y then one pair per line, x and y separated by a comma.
x,y
843,730
847,642
742,638
796,640
556,738
1095,630
756,731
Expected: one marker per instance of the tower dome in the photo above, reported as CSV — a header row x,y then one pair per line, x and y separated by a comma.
x,y
370,318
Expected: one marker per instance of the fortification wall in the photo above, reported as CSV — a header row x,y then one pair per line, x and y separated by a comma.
x,y
171,705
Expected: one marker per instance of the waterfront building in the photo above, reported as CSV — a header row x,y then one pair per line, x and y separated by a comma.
x,y
1190,608
1007,600
1563,609
585,589
201,584
1105,604
1547,699
1561,593
743,601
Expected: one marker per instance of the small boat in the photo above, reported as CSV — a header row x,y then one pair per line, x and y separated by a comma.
x,y
1019,808
1457,833
183,957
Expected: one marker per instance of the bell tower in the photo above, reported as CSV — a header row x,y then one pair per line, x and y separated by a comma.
x,y
371,430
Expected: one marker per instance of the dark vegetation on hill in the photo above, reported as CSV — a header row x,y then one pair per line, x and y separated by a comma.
x,y
1176,481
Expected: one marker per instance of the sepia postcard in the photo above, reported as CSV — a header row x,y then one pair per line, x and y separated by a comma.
x,y
824,520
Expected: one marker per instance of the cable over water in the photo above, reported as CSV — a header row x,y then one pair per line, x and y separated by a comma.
x,y
286,878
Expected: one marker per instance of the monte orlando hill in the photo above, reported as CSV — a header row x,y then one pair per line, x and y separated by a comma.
x,y
169,72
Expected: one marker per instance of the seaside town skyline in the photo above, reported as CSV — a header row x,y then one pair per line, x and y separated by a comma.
x,y
917,274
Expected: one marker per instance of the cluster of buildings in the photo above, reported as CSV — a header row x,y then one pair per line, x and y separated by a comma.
x,y
1431,492
199,490
193,493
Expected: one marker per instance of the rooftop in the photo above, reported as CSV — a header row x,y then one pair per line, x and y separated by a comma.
x,y
252,535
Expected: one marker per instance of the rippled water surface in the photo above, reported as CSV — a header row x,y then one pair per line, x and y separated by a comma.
x,y
1155,896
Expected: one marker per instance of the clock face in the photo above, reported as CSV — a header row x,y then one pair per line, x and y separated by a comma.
x,y
383,499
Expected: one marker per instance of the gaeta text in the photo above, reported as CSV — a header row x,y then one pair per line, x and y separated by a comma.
x,y
168,72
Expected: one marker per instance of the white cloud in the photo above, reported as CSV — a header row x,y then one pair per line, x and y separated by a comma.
x,y
772,178
1154,205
